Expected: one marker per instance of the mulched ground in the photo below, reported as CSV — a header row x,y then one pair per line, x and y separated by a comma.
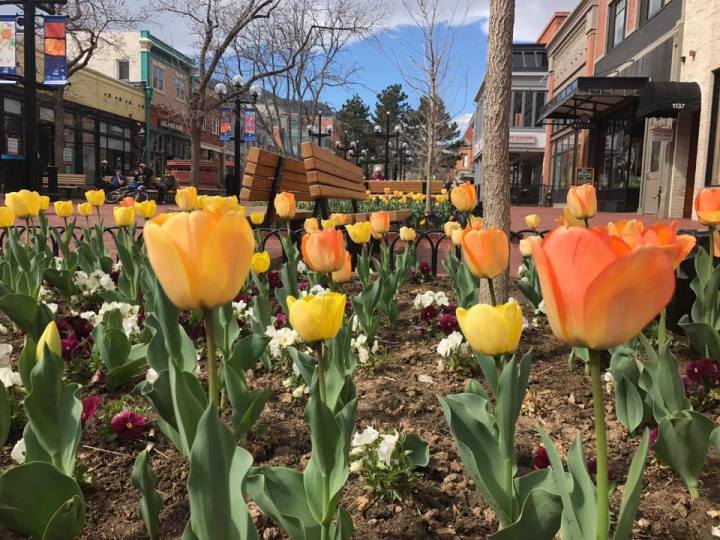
x,y
444,503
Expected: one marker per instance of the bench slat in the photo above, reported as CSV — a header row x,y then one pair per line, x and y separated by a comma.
x,y
254,194
259,182
270,159
255,169
317,164
406,186
310,151
332,192
320,177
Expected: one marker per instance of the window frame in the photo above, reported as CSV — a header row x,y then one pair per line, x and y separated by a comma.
x,y
644,15
183,95
123,62
612,23
156,69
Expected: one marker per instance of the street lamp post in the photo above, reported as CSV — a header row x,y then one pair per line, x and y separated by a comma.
x,y
402,154
386,135
241,96
344,149
319,133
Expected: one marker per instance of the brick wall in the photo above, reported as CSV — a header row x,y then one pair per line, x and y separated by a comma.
x,y
702,20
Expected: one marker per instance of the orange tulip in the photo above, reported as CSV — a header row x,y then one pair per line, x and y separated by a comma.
x,y
582,201
380,222
324,251
345,273
707,206
634,234
463,197
486,251
128,202
285,205
598,291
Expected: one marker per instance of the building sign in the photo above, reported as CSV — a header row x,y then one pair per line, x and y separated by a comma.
x,y
8,43
13,146
68,154
55,50
663,134
225,124
584,175
249,126
583,123
522,139
167,124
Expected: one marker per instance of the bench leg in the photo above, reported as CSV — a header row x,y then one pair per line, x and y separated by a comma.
x,y
355,206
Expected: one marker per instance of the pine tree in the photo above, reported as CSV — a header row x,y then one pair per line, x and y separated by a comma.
x,y
354,121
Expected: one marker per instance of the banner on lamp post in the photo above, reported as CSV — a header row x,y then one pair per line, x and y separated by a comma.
x,y
225,124
249,125
55,50
8,45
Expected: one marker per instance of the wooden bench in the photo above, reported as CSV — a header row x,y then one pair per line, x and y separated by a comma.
x,y
379,187
68,184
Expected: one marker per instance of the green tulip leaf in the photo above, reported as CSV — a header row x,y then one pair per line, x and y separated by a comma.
x,y
628,403
419,450
5,414
32,494
632,490
145,481
246,404
25,311
539,518
217,472
246,353
703,338
189,401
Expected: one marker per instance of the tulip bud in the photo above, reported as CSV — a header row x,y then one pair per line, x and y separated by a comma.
x,y
463,197
311,224
532,221
285,205
95,197
359,233
85,209
187,198
324,251
486,251
476,222
380,222
146,209
7,217
257,218
124,216
707,206
339,219
328,224
450,227
316,318
526,245
50,338
407,234
582,201
457,237
260,262
44,203
492,330
63,208
24,204
345,273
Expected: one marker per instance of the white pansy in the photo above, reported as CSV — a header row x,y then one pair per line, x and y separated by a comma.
x,y
354,324
280,339
387,447
239,309
450,345
429,298
18,452
609,382
93,283
301,268
318,290
375,347
45,294
521,270
3,330
58,263
525,324
359,343
541,306
117,267
52,307
512,300
8,377
356,466
299,391
151,376
368,436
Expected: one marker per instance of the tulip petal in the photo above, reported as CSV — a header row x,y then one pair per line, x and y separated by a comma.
x,y
626,296
169,265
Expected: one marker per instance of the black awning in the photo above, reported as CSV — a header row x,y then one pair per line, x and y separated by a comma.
x,y
587,97
667,99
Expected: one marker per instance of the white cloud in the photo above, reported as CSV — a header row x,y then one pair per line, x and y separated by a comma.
x,y
463,120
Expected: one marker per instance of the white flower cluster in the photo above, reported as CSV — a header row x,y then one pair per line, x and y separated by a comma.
x,y
242,311
361,442
18,452
429,298
317,290
360,345
8,377
301,268
454,343
45,294
129,314
95,282
280,339
609,382
299,388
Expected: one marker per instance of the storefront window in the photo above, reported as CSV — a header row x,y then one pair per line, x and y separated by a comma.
x,y
13,140
616,23
621,163
517,109
562,162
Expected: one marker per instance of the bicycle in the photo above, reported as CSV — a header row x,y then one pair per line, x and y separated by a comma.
x,y
121,193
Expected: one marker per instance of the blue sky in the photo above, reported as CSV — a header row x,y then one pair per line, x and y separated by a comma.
x,y
378,59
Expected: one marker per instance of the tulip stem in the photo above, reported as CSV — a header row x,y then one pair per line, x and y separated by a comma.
x,y
587,223
662,328
603,515
321,374
711,251
491,288
324,527
27,233
211,359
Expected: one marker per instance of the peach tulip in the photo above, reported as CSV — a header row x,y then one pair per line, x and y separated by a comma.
x,y
380,222
582,201
285,205
635,234
345,273
486,251
324,251
463,197
599,292
707,206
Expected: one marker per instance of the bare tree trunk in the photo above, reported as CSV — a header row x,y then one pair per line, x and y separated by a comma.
x,y
431,141
59,135
496,127
195,136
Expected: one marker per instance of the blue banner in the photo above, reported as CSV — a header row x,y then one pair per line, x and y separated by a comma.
x,y
8,45
249,125
55,50
225,124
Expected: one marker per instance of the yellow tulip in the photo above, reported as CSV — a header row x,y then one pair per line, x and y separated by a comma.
x,y
328,223
217,203
582,201
360,232
526,245
315,318
257,218
200,258
146,209
50,338
457,237
85,209
345,273
95,197
260,262
24,204
476,222
44,203
450,227
339,219
285,205
187,198
63,208
463,197
568,220
124,216
311,224
7,217
532,221
492,330
407,234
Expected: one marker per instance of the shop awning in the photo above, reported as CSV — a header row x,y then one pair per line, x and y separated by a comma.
x,y
667,99
586,97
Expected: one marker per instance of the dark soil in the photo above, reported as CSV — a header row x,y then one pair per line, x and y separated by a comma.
x,y
443,502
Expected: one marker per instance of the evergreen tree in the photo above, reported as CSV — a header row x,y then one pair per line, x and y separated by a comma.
x,y
391,109
447,134
353,119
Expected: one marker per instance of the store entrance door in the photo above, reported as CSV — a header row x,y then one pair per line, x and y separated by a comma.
x,y
659,138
